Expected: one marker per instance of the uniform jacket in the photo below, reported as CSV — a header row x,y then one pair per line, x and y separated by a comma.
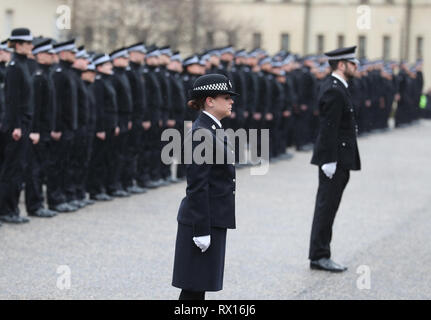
x,y
18,93
137,87
210,199
44,103
154,95
106,104
336,141
66,88
123,91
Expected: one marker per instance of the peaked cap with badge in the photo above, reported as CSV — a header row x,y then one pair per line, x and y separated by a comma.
x,y
212,85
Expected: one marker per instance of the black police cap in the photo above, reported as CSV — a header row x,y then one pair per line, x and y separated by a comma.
x,y
212,85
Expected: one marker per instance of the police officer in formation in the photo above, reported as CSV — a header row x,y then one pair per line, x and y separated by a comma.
x,y
89,125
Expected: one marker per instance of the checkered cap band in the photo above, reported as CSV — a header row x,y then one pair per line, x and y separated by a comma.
x,y
213,87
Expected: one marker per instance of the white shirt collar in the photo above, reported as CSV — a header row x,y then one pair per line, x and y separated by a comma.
x,y
341,79
214,118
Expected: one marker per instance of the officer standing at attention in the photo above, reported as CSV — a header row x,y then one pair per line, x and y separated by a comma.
x,y
209,207
136,156
17,125
80,145
107,128
179,101
153,114
89,76
120,81
336,153
43,124
67,123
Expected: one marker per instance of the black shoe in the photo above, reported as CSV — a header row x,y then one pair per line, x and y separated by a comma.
x,y
89,202
101,197
43,213
153,184
64,208
305,148
120,194
136,190
14,219
327,265
77,203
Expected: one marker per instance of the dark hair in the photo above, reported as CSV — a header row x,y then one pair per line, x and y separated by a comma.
x,y
334,64
198,104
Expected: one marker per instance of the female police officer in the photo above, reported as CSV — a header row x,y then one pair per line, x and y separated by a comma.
x,y
16,135
208,209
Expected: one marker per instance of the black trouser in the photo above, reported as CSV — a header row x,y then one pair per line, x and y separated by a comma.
x,y
154,141
54,172
133,149
144,159
117,151
165,169
99,164
69,165
80,163
12,170
181,168
302,128
38,160
255,146
327,202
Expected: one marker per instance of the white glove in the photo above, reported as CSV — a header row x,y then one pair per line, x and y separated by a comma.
x,y
203,242
329,169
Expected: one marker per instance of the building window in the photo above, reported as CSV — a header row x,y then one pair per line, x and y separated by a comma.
x,y
8,21
88,35
285,42
340,41
257,40
390,2
210,39
362,47
364,1
419,47
386,48
112,37
231,36
320,44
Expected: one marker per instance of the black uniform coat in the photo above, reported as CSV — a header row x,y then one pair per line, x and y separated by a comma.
x,y
208,209
336,141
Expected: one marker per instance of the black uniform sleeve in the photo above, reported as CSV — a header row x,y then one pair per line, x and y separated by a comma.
x,y
39,94
13,93
198,194
331,109
99,106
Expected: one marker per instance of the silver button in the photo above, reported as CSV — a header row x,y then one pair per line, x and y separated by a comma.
x,y
234,193
234,180
343,144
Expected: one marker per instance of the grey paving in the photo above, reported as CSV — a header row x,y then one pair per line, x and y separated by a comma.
x,y
124,249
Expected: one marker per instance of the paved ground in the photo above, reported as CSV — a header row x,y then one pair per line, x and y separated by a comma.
x,y
124,249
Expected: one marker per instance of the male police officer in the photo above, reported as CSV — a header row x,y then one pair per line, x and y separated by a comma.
x,y
336,153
